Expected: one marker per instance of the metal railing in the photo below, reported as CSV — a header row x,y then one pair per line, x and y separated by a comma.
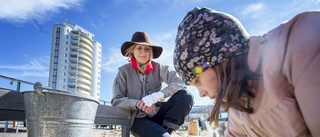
x,y
16,80
39,87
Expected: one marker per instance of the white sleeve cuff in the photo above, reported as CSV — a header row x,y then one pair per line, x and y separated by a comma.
x,y
152,98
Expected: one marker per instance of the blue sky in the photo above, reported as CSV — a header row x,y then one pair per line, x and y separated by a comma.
x,y
26,29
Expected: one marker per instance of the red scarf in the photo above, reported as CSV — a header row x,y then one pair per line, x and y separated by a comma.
x,y
143,70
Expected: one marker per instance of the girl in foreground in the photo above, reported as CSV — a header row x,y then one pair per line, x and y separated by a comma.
x,y
269,84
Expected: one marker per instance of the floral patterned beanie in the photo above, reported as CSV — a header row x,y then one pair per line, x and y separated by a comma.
x,y
205,38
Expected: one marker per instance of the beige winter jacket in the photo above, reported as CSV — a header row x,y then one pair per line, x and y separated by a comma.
x,y
287,102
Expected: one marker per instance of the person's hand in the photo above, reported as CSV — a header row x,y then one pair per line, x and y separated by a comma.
x,y
149,110
141,105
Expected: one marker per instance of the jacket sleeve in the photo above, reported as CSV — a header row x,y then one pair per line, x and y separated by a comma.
x,y
301,66
119,94
172,79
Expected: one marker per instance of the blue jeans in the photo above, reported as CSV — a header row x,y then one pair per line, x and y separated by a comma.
x,y
171,114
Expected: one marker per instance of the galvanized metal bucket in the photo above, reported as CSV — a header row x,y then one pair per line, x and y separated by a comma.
x,y
51,114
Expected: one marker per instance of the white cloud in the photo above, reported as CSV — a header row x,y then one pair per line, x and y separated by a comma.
x,y
112,60
24,10
38,67
33,64
264,16
93,25
167,41
254,10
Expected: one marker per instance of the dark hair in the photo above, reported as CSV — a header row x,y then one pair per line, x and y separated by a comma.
x,y
233,83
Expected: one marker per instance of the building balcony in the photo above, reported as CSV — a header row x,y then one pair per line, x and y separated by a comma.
x,y
85,40
85,36
74,53
82,91
74,36
72,78
84,63
72,71
71,83
84,75
86,58
85,69
85,46
73,60
83,80
83,86
73,65
85,52
74,48
74,42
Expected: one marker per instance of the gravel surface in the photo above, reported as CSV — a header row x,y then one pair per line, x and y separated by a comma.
x,y
95,133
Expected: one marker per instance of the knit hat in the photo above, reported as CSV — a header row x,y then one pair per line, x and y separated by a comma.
x,y
205,38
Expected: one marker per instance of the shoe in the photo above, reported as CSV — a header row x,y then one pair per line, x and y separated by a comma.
x,y
169,130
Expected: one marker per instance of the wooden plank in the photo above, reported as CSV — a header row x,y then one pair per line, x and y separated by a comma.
x,y
12,115
11,100
105,111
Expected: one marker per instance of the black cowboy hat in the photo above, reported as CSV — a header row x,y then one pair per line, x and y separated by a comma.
x,y
141,38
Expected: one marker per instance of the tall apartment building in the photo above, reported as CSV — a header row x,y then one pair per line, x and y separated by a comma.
x,y
75,63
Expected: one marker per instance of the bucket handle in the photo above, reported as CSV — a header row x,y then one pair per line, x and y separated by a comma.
x,y
37,87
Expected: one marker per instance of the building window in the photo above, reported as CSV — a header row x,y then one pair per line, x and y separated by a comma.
x,y
65,61
57,47
57,41
66,55
64,73
65,67
55,66
54,85
56,53
64,80
54,80
64,86
67,42
71,86
54,73
66,49
55,60
67,37
67,31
